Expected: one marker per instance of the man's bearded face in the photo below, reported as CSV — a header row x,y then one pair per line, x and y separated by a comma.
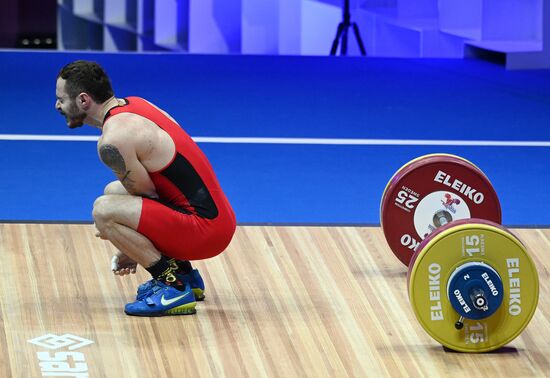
x,y
74,116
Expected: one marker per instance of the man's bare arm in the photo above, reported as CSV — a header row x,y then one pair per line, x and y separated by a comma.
x,y
111,156
118,153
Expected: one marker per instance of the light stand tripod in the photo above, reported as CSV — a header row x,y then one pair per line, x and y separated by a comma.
x,y
342,32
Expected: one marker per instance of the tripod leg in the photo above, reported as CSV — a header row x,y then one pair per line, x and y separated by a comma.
x,y
359,40
336,39
344,50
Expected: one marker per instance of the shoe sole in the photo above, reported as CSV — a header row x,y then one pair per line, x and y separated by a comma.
x,y
199,294
185,309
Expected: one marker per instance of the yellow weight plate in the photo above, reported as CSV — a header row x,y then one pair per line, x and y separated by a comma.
x,y
473,240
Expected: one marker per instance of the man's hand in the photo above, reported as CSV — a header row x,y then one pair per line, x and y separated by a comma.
x,y
99,235
122,265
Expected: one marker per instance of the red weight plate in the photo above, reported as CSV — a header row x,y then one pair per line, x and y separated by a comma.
x,y
430,192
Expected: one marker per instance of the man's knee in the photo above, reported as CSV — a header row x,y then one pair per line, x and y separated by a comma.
x,y
115,187
109,209
102,211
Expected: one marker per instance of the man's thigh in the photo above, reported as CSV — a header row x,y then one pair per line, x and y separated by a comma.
x,y
172,232
121,209
183,236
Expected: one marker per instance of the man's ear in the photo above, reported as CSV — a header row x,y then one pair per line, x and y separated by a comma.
x,y
84,101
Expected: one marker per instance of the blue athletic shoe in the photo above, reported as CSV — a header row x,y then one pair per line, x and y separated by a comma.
x,y
194,279
164,300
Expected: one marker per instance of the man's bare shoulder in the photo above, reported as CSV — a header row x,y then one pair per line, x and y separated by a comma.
x,y
124,126
124,123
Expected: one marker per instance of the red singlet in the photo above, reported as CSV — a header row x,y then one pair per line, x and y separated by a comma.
x,y
192,219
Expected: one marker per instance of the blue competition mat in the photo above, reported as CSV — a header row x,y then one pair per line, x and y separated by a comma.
x,y
286,97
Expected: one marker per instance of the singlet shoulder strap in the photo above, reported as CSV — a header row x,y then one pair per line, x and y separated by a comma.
x,y
110,112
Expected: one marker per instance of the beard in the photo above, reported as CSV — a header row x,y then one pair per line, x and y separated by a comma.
x,y
74,117
76,121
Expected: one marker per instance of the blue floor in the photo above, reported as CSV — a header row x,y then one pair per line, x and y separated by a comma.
x,y
256,96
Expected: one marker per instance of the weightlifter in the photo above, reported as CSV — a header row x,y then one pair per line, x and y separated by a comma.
x,y
167,206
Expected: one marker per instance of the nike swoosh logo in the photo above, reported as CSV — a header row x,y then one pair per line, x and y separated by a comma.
x,y
167,302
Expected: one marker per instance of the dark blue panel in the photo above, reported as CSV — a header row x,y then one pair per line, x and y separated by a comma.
x,y
285,97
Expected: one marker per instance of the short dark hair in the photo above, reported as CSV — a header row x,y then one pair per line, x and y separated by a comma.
x,y
86,76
